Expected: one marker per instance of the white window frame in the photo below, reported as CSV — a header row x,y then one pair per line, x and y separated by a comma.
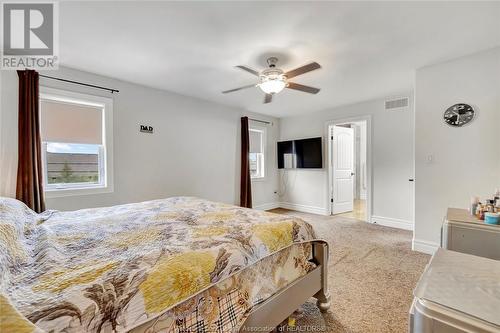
x,y
263,130
105,165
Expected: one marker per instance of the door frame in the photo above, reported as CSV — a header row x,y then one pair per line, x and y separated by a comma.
x,y
328,147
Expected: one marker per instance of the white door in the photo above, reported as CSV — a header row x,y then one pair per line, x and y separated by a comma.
x,y
342,169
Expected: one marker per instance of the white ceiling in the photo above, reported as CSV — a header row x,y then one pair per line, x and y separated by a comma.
x,y
367,49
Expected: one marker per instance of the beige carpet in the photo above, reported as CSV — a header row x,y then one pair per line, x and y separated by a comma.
x,y
372,275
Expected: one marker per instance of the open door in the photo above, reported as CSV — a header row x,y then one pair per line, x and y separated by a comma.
x,y
342,169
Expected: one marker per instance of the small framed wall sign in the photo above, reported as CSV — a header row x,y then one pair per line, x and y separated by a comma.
x,y
146,129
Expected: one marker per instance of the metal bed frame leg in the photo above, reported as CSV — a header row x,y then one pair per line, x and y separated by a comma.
x,y
320,254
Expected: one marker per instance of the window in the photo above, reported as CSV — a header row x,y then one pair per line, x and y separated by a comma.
x,y
257,153
76,131
73,165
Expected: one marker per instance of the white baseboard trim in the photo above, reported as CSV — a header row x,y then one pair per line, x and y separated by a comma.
x,y
292,206
424,246
267,206
304,208
392,222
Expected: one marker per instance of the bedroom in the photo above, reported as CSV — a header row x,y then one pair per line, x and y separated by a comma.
x,y
167,64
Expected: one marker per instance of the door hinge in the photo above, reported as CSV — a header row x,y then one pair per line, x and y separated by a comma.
x,y
331,138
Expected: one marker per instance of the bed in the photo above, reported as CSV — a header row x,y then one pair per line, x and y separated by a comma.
x,y
180,264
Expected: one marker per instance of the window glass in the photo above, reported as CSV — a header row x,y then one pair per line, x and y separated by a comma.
x,y
72,163
256,155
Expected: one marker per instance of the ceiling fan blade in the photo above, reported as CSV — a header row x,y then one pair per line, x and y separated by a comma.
x,y
303,88
302,70
240,88
249,70
268,98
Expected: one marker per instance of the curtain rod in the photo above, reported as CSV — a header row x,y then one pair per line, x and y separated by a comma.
x,y
261,121
80,83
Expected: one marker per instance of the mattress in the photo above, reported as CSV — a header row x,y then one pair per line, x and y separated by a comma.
x,y
177,264
224,306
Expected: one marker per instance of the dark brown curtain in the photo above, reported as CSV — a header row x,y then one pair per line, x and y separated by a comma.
x,y
246,185
29,167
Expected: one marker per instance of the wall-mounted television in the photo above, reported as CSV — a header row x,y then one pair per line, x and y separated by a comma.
x,y
300,154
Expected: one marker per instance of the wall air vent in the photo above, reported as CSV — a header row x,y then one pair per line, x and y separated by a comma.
x,y
397,104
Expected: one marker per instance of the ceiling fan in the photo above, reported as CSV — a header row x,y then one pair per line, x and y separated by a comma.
x,y
273,80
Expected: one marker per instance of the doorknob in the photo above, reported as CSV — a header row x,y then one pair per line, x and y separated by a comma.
x,y
352,174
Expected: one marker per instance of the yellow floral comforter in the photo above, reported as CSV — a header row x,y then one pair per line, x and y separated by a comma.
x,y
137,266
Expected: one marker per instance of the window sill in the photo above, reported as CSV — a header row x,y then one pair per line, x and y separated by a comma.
x,y
69,192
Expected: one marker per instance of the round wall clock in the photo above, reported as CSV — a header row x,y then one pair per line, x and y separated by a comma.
x,y
459,115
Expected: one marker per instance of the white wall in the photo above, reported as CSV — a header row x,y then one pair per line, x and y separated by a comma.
x,y
8,132
392,158
466,161
362,167
360,159
195,149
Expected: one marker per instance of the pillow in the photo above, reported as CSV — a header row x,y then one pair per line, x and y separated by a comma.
x,y
16,222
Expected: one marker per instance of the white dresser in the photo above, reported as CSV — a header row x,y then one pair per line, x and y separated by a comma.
x,y
465,233
457,293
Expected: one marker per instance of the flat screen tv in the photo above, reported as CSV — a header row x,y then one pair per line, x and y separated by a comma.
x,y
300,154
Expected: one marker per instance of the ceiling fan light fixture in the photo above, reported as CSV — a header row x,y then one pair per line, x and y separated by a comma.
x,y
273,80
272,85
